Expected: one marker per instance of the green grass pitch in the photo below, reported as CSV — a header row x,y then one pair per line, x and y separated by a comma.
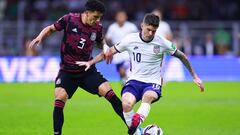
x,y
26,109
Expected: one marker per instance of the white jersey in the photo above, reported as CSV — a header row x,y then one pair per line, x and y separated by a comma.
x,y
163,29
116,34
146,57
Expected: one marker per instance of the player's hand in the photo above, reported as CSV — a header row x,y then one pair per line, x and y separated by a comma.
x,y
199,83
108,55
83,63
34,42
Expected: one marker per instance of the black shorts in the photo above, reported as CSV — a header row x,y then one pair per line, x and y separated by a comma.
x,y
89,81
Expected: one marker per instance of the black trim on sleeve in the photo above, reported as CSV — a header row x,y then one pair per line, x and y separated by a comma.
x,y
116,49
174,52
57,28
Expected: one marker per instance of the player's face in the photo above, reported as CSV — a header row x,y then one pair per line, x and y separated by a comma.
x,y
93,17
121,17
148,32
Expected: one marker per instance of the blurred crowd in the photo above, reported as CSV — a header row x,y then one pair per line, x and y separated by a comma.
x,y
217,39
173,9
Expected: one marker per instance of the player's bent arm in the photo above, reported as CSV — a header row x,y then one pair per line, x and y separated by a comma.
x,y
95,60
187,64
107,54
179,54
100,56
43,34
47,31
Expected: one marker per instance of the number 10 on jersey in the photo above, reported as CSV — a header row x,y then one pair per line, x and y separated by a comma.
x,y
137,57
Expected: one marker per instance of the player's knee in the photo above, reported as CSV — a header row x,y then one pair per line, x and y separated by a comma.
x,y
104,88
61,94
127,106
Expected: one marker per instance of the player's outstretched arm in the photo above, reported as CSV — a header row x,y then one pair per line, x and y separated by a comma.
x,y
108,56
43,34
187,64
95,60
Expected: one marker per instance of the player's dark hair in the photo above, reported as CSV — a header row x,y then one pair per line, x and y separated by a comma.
x,y
95,5
151,19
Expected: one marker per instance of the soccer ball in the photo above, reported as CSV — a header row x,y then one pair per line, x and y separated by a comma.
x,y
152,129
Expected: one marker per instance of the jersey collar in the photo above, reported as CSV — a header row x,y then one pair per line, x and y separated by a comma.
x,y
140,35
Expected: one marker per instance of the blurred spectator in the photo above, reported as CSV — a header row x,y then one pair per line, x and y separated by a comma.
x,y
209,45
11,10
75,5
180,10
2,8
115,33
39,12
163,28
222,40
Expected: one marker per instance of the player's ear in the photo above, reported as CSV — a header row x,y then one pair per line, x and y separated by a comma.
x,y
142,25
87,13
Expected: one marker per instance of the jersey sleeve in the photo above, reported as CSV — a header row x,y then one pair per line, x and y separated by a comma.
x,y
170,47
61,23
122,46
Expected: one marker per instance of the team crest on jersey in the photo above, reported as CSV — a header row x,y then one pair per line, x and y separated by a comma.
x,y
156,49
93,36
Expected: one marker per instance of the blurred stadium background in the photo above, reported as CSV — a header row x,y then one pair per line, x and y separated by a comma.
x,y
26,107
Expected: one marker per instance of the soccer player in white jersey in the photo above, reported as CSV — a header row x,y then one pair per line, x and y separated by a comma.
x,y
145,50
115,33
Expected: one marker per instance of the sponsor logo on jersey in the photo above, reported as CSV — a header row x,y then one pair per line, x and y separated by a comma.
x,y
156,49
135,48
93,36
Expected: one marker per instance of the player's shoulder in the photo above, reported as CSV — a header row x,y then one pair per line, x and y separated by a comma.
x,y
71,16
160,39
74,15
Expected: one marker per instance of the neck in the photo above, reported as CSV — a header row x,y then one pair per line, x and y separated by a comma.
x,y
144,38
120,24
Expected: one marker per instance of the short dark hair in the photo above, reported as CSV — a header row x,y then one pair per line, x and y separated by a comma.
x,y
151,19
95,5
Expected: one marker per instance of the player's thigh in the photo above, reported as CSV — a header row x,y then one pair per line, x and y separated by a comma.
x,y
151,93
94,83
149,96
65,84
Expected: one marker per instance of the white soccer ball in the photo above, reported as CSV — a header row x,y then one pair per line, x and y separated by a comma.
x,y
152,129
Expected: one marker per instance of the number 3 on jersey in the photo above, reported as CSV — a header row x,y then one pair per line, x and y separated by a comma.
x,y
81,43
137,57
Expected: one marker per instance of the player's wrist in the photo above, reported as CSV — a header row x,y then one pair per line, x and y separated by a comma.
x,y
105,48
